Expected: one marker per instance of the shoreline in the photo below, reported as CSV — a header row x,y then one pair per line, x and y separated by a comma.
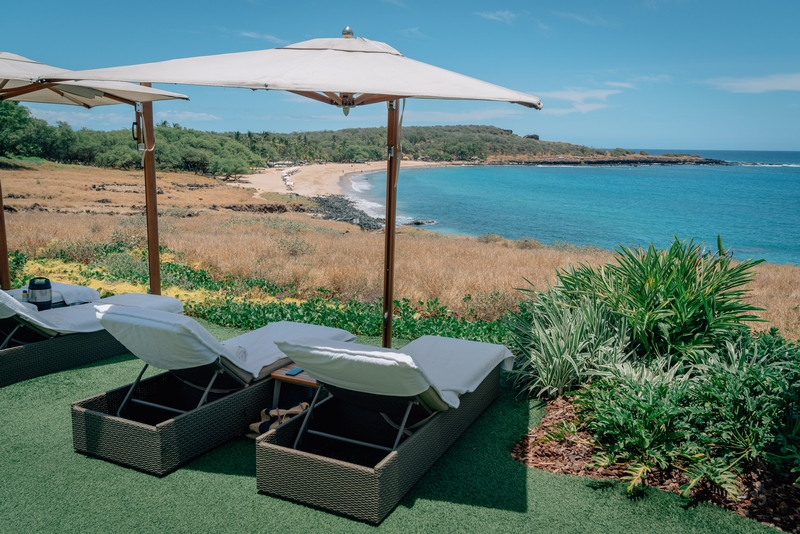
x,y
317,179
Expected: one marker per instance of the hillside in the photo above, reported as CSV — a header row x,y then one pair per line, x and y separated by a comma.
x,y
185,149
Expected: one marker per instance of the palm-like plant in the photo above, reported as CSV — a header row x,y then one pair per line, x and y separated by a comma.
x,y
676,301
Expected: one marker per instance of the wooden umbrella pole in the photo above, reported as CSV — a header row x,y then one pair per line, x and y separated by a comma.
x,y
151,200
5,273
392,171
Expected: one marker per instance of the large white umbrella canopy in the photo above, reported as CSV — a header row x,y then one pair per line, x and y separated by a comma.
x,y
368,71
19,82
346,72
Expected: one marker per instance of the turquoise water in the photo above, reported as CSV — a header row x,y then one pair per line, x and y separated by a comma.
x,y
754,206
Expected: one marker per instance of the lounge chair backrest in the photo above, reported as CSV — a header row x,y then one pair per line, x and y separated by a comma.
x,y
68,294
81,318
162,339
358,367
449,367
10,307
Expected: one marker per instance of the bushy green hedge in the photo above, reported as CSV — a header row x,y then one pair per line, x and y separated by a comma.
x,y
364,319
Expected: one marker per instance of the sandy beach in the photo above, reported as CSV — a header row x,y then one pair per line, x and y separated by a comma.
x,y
316,179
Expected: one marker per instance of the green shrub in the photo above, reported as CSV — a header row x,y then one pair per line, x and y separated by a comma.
x,y
637,422
526,243
16,264
82,251
678,301
558,345
737,408
293,247
491,238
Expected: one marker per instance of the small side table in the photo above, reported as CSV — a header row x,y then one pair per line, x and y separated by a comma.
x,y
301,379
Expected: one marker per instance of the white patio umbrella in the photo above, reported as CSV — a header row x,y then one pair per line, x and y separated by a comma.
x,y
345,72
19,82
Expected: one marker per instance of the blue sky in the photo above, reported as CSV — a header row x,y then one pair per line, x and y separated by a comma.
x,y
673,74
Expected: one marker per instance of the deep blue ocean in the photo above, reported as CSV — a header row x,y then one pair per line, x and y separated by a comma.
x,y
754,205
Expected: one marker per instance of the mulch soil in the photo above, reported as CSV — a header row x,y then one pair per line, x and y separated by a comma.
x,y
764,496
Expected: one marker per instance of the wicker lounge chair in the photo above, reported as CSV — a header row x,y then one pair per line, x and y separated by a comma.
x,y
35,343
211,392
349,459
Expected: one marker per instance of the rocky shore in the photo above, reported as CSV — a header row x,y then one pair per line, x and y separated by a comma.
x,y
341,208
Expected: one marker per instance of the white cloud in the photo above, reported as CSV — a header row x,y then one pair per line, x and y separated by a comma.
x,y
500,16
184,116
582,100
639,79
412,33
764,84
397,3
577,107
580,95
658,78
264,36
462,117
621,85
590,21
85,119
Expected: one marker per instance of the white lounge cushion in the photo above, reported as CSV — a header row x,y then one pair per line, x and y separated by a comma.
x,y
170,341
81,318
358,367
161,339
258,348
457,366
142,300
450,366
69,294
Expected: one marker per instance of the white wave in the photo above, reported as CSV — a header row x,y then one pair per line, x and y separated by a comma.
x,y
360,186
747,164
373,209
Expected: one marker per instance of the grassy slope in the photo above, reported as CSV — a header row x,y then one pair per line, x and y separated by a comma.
x,y
475,487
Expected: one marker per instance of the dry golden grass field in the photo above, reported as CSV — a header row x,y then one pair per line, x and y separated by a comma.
x,y
202,223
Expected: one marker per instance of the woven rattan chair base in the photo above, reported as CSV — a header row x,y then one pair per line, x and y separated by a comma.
x,y
56,354
355,481
150,441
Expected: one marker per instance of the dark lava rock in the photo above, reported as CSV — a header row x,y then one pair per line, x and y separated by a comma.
x,y
264,208
420,222
341,208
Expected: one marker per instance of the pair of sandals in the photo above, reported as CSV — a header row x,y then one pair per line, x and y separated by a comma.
x,y
271,419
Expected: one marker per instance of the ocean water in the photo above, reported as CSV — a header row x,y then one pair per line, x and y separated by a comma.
x,y
754,205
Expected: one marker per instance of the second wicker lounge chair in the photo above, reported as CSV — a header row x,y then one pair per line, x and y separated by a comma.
x,y
212,391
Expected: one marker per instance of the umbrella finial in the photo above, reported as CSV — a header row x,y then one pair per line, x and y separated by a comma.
x,y
347,33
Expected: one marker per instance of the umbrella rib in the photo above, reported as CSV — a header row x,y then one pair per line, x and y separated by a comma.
x,y
3,83
25,89
119,99
62,94
337,99
364,100
313,96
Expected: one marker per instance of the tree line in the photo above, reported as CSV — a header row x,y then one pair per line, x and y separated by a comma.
x,y
186,149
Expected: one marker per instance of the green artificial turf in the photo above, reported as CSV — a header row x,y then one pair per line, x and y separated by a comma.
x,y
475,487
